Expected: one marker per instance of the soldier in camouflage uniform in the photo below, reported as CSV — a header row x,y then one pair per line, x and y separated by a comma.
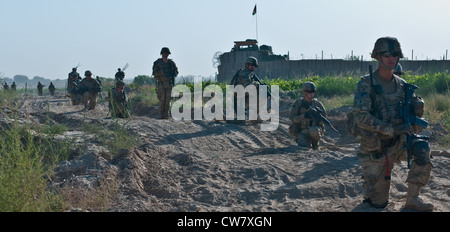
x,y
164,71
120,75
118,101
382,132
73,76
245,77
40,89
73,86
5,87
51,89
90,88
307,129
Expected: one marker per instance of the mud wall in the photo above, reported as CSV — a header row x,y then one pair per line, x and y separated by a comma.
x,y
231,62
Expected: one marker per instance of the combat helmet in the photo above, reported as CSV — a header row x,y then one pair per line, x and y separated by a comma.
x,y
165,50
387,44
252,60
88,73
308,86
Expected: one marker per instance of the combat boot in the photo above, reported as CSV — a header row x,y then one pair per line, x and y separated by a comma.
x,y
413,202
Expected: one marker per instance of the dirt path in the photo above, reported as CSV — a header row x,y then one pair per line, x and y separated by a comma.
x,y
209,166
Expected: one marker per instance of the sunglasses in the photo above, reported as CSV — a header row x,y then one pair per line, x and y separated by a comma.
x,y
390,54
310,91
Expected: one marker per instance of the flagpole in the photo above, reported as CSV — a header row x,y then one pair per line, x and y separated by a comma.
x,y
256,26
255,13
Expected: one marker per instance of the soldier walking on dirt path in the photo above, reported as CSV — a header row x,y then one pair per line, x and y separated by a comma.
x,y
40,88
384,134
5,87
164,71
51,89
306,128
73,87
73,76
91,88
120,75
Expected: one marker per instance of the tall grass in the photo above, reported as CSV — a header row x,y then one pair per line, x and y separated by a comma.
x,y
28,156
24,173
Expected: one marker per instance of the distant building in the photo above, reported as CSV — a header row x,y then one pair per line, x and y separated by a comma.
x,y
280,66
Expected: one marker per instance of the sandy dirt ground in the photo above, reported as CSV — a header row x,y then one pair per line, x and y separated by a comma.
x,y
192,166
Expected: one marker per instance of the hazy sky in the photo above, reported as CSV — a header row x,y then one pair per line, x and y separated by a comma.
x,y
48,37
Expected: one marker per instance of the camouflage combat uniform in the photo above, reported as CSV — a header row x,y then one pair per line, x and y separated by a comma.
x,y
91,88
51,89
306,131
380,147
164,73
118,101
73,76
120,75
40,89
245,77
73,87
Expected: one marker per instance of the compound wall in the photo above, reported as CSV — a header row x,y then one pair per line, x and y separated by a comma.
x,y
233,61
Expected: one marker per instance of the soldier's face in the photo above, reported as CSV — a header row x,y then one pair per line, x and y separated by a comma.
x,y
251,67
309,95
389,59
165,55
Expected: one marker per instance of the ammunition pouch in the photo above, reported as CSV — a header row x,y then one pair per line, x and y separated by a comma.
x,y
418,105
370,140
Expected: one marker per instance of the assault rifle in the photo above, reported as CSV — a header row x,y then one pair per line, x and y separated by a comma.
x,y
317,114
256,78
125,67
409,118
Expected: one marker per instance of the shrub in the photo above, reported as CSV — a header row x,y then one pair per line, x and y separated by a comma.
x,y
24,175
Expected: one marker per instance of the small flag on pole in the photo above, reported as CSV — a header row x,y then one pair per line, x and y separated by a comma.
x,y
254,10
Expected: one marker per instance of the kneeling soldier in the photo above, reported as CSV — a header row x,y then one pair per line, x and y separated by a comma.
x,y
307,129
91,88
118,101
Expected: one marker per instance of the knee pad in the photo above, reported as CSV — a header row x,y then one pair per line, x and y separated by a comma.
x,y
420,150
314,133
